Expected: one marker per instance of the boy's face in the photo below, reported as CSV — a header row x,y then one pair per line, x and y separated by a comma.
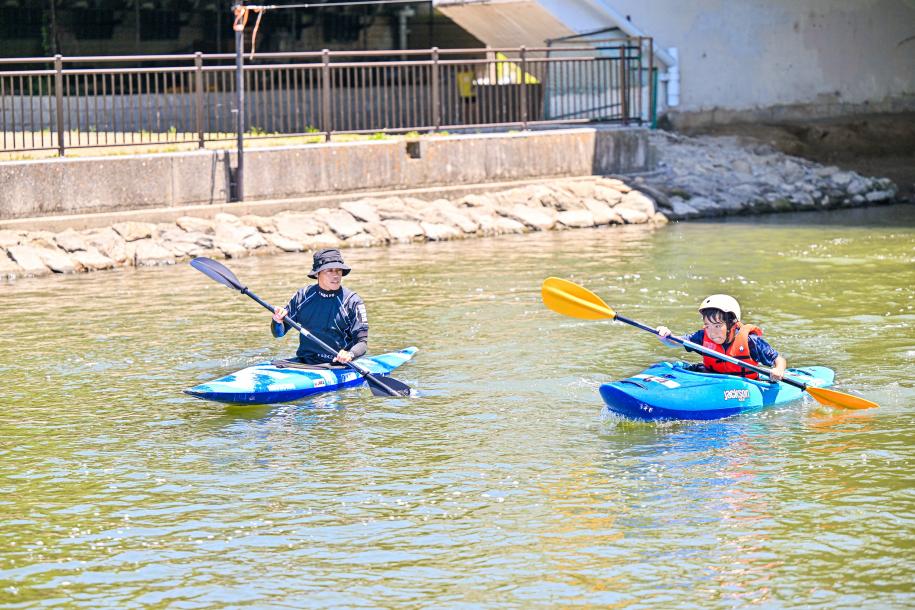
x,y
715,329
330,279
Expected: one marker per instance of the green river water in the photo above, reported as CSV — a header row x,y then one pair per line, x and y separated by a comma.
x,y
502,485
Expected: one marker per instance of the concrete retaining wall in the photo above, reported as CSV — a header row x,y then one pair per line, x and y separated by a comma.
x,y
115,184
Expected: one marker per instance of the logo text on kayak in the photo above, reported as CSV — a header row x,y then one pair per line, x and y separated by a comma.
x,y
738,394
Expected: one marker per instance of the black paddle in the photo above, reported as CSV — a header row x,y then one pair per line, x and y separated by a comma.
x,y
220,273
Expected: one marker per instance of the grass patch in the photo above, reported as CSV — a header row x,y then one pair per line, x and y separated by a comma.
x,y
98,143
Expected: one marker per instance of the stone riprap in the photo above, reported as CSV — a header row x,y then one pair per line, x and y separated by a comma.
x,y
563,204
695,177
724,175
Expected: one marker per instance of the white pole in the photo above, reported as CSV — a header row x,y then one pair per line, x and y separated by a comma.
x,y
673,79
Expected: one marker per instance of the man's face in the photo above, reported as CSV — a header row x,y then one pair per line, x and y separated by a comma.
x,y
330,279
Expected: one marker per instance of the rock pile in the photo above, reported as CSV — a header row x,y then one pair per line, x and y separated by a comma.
x,y
723,175
563,204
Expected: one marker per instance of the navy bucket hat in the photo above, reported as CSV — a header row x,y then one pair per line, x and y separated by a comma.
x,y
328,258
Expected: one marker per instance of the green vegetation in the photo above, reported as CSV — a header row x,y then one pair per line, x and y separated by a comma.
x,y
90,143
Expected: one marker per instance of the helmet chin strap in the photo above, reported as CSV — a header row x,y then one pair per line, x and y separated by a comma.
x,y
732,331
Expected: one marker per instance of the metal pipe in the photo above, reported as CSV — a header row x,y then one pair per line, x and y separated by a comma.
x,y
198,98
59,99
673,78
240,115
402,16
325,95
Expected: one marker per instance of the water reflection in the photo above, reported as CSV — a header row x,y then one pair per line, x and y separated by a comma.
x,y
501,486
668,483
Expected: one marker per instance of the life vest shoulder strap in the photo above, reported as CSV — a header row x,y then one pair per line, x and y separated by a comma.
x,y
740,346
745,330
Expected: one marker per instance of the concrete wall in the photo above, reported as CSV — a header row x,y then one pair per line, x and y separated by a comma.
x,y
115,184
739,60
798,59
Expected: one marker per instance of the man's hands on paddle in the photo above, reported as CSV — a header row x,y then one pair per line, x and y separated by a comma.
x,y
343,357
278,314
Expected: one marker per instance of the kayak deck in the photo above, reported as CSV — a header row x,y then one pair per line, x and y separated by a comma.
x,y
265,383
669,390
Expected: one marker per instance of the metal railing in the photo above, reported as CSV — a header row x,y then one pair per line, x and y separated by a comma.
x,y
55,104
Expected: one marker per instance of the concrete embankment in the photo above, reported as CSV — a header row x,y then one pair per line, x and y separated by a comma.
x,y
147,182
671,177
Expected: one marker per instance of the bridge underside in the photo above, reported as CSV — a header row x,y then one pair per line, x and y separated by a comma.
x,y
508,24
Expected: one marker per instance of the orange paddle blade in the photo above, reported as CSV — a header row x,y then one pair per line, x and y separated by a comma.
x,y
833,398
570,299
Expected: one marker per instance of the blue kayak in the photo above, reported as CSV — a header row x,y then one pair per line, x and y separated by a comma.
x,y
266,383
669,390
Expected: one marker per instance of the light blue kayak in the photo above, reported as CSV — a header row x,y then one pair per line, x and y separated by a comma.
x,y
265,383
669,390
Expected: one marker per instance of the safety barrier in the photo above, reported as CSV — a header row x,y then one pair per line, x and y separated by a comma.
x,y
63,103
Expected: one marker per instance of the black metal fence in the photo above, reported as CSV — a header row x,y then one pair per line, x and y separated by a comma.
x,y
55,104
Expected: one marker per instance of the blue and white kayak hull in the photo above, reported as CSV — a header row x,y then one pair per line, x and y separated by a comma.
x,y
265,383
669,390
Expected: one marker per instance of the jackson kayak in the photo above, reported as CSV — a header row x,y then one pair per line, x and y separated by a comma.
x,y
670,390
267,383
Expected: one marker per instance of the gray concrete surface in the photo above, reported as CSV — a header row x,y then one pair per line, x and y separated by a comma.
x,y
107,185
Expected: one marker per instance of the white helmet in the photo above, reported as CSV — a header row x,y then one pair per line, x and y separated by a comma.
x,y
723,302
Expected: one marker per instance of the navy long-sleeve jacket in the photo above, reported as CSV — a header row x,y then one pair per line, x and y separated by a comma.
x,y
338,318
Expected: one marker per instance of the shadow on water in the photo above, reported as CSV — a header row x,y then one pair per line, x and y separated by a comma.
x,y
900,215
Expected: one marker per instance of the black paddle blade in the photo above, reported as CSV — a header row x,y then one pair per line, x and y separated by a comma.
x,y
387,386
217,272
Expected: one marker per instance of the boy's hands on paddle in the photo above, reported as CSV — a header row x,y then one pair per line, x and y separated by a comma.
x,y
278,314
777,372
663,333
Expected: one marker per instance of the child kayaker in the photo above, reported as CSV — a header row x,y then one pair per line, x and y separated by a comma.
x,y
723,332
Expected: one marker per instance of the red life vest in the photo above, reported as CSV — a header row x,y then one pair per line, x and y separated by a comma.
x,y
739,349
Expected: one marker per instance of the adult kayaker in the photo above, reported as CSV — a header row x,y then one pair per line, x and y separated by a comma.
x,y
334,314
722,331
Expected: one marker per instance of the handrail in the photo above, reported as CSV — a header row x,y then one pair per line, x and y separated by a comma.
x,y
190,57
63,103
